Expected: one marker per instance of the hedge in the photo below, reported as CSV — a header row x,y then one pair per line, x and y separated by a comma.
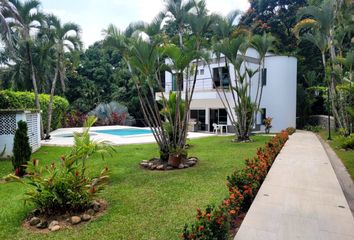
x,y
25,100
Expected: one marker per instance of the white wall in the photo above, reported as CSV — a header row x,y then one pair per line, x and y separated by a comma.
x,y
279,95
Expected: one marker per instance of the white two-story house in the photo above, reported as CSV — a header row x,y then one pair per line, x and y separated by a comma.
x,y
279,79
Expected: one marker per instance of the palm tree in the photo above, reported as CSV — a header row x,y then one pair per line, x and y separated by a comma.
x,y
64,37
178,11
7,10
320,23
30,18
262,44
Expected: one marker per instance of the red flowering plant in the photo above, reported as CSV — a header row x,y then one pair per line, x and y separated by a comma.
x,y
74,119
63,186
291,130
243,186
213,223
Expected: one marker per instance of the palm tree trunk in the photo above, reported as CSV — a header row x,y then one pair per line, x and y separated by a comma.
x,y
35,87
50,105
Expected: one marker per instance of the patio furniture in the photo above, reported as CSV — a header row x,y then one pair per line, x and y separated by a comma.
x,y
216,128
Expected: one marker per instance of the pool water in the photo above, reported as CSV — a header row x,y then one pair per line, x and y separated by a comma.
x,y
125,132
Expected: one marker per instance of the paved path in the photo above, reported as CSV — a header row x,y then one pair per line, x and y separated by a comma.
x,y
300,199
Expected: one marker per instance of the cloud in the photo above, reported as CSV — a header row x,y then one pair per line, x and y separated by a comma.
x,y
95,15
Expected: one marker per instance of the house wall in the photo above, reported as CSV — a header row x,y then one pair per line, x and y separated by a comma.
x,y
279,94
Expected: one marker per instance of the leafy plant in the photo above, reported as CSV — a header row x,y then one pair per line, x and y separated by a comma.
x,y
347,142
290,130
21,149
64,186
112,113
312,128
268,124
243,185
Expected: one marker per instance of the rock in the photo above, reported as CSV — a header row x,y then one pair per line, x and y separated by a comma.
x,y
160,167
144,161
186,166
193,159
143,164
34,221
181,166
150,164
190,163
169,168
53,224
75,220
55,228
91,212
96,206
85,217
42,225
153,167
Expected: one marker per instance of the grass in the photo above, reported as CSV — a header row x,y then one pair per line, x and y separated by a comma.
x,y
347,157
142,204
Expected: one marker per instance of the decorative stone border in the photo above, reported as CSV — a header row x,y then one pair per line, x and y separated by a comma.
x,y
40,222
157,164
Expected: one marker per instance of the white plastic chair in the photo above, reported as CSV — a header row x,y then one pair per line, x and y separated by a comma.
x,y
216,128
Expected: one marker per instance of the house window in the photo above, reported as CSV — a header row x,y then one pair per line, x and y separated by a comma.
x,y
221,77
201,72
263,115
176,86
264,77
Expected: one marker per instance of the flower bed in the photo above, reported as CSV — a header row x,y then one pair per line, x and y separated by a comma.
x,y
243,185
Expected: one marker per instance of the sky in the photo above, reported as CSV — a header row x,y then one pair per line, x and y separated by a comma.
x,y
95,15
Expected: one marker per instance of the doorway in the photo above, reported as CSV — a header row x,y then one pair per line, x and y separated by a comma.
x,y
218,116
199,116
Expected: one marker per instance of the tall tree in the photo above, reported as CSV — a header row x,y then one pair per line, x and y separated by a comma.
x,y
30,19
64,37
7,10
177,11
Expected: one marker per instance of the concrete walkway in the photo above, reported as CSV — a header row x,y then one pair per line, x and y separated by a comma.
x,y
301,197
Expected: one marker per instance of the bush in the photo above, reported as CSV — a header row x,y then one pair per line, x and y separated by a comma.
x,y
21,149
311,128
211,224
25,100
291,130
74,119
64,186
112,113
347,142
243,186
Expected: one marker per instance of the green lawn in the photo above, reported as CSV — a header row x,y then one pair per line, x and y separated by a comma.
x,y
347,157
142,204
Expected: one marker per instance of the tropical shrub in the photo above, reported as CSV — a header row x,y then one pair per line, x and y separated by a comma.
x,y
112,113
25,100
74,119
64,185
213,223
243,185
347,142
21,149
268,124
312,128
290,130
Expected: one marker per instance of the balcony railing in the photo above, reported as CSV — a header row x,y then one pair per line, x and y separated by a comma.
x,y
201,85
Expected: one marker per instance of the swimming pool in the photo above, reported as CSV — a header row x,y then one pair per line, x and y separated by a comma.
x,y
125,132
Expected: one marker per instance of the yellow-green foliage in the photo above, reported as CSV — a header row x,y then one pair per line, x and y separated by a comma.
x,y
25,100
